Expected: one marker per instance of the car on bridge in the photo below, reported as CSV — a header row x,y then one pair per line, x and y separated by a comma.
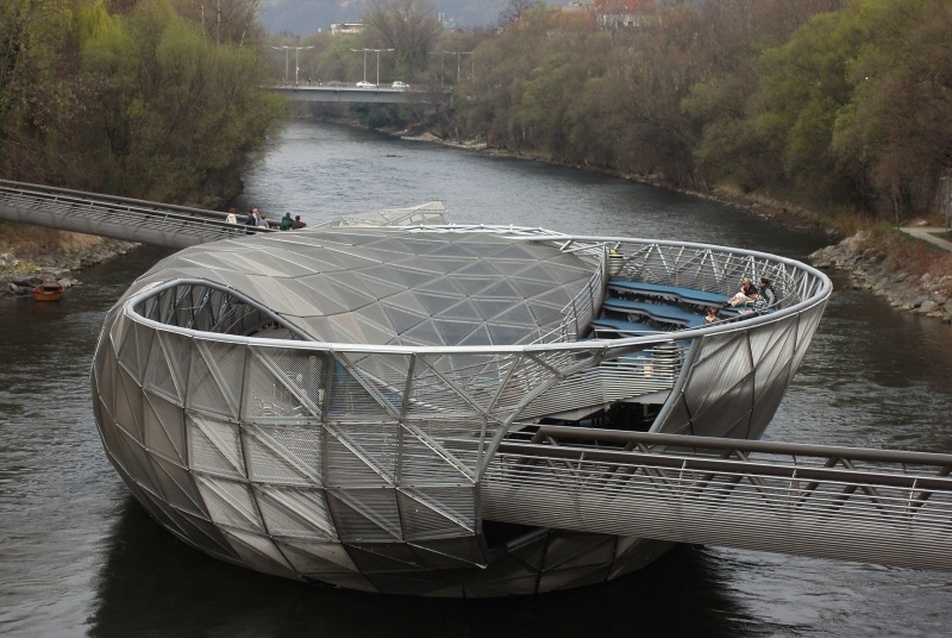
x,y
364,84
400,86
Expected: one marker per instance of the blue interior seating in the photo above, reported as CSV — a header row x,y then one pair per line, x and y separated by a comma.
x,y
622,327
659,312
670,293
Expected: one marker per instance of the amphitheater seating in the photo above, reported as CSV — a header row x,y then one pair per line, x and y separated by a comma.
x,y
622,327
664,313
669,293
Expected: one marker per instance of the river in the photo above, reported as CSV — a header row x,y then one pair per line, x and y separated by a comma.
x,y
79,557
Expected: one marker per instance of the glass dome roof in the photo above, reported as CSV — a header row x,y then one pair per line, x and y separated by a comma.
x,y
421,286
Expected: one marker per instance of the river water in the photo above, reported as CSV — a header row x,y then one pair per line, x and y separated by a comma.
x,y
79,557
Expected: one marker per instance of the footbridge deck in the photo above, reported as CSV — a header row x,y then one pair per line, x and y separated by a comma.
x,y
874,506
155,223
115,217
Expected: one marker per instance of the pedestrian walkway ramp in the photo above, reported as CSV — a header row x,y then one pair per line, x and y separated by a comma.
x,y
874,506
155,223
114,217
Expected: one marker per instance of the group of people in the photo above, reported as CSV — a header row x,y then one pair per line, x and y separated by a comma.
x,y
749,295
257,219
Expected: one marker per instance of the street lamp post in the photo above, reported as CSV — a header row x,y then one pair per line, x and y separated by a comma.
x,y
287,60
378,63
365,60
366,51
297,66
459,55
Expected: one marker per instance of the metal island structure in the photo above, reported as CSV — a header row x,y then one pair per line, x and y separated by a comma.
x,y
369,405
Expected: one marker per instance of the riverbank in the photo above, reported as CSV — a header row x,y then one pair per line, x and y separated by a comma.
x,y
910,275
921,283
31,255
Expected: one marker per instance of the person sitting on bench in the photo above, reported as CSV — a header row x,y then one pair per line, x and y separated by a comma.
x,y
746,295
766,297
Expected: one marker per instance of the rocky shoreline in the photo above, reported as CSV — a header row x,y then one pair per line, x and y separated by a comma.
x,y
56,266
868,268
919,293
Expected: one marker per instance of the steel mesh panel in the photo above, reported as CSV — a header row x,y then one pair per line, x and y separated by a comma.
x,y
177,487
128,405
775,346
361,454
439,387
128,352
215,373
365,515
328,562
387,376
214,446
295,513
457,553
269,392
579,551
528,378
134,461
103,373
143,337
259,552
284,453
807,323
348,399
773,352
577,391
281,384
436,512
165,372
729,399
713,354
423,459
164,426
230,504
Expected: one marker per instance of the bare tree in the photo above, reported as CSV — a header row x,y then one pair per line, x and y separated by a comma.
x,y
515,10
408,26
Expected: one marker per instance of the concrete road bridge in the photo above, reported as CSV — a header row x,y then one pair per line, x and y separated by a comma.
x,y
869,505
353,94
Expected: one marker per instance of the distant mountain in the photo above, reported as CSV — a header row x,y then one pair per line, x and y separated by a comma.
x,y
304,17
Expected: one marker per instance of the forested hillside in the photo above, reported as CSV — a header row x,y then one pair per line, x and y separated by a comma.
x,y
833,104
826,102
156,99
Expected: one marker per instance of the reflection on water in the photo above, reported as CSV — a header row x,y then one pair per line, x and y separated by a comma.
x,y
79,556
141,586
